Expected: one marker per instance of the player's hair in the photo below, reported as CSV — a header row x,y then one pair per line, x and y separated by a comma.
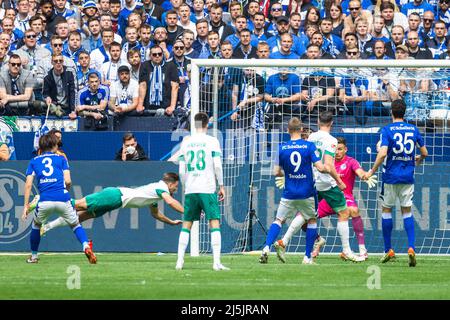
x,y
47,142
294,125
53,132
325,117
341,140
201,120
398,108
170,177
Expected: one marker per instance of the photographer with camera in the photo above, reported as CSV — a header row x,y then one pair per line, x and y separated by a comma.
x,y
131,150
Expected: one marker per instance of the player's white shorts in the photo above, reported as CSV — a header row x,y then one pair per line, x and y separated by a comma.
x,y
289,208
390,192
64,209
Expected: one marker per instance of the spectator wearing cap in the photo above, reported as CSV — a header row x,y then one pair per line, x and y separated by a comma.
x,y
92,101
235,38
438,44
59,92
401,52
413,46
124,93
158,85
89,10
160,39
275,42
217,24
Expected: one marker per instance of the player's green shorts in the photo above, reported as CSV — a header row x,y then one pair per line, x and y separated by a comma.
x,y
104,201
334,197
194,203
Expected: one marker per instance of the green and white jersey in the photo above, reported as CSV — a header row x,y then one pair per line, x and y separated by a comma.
x,y
143,196
197,154
325,144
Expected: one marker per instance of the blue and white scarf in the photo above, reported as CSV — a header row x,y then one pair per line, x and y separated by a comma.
x,y
156,85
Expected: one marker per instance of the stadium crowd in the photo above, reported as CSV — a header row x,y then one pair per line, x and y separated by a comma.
x,y
124,58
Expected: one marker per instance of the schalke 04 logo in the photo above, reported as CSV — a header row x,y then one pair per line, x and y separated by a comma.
x,y
12,185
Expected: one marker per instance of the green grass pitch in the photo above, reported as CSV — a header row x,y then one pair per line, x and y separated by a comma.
x,y
151,276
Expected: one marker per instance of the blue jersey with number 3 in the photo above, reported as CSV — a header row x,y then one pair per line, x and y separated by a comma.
x,y
401,139
48,169
296,158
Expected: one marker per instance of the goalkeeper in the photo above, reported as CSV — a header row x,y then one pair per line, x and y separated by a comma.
x,y
97,204
347,168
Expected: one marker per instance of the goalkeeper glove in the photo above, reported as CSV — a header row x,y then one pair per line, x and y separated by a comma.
x,y
372,181
279,182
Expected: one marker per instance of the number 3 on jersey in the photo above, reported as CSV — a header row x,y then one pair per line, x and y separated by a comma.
x,y
198,158
296,160
48,165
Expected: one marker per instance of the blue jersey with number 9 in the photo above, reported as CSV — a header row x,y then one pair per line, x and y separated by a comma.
x,y
48,169
401,139
296,158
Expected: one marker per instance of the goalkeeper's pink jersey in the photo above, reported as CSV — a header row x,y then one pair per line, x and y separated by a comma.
x,y
346,170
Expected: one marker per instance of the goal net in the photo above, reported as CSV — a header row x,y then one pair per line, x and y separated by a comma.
x,y
250,103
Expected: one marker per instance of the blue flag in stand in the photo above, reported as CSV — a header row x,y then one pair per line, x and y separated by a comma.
x,y
43,130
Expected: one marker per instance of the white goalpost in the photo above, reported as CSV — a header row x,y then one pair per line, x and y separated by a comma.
x,y
250,102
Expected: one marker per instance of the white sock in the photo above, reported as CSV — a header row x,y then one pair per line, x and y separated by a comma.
x,y
362,248
183,242
294,227
344,232
34,256
266,249
59,222
216,241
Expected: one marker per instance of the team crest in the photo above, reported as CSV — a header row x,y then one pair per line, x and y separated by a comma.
x,y
343,166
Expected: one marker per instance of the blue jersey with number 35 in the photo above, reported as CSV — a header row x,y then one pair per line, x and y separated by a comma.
x,y
296,158
401,139
48,169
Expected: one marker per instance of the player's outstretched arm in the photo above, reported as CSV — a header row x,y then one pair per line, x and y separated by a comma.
x,y
172,202
378,161
27,192
161,217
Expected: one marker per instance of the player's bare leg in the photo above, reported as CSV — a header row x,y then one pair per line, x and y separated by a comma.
x,y
183,242
60,222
